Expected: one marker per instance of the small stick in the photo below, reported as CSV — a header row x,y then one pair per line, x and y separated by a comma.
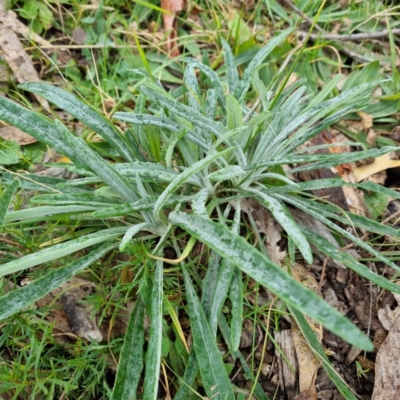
x,y
304,16
350,37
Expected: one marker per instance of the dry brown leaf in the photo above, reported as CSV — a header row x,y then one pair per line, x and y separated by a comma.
x,y
307,361
287,373
12,133
16,56
310,394
387,366
70,316
319,228
267,225
9,20
366,120
170,24
79,36
381,163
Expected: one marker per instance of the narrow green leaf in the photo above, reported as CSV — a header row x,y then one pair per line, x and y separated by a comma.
x,y
317,214
131,361
130,233
75,199
184,111
35,124
215,380
283,216
182,178
5,200
140,205
213,77
244,84
222,286
349,261
223,174
321,160
236,295
60,250
153,356
188,377
45,211
97,164
231,70
193,89
227,334
17,300
199,202
234,118
161,122
84,113
240,253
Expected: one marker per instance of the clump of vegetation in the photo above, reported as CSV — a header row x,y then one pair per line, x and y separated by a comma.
x,y
173,175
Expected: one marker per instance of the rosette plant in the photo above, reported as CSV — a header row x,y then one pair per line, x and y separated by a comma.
x,y
177,176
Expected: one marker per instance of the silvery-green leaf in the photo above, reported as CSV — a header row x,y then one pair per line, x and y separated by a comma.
x,y
284,218
224,174
199,201
215,380
153,356
60,250
162,122
17,300
35,213
97,164
231,70
84,113
130,364
35,124
131,232
242,254
184,112
183,177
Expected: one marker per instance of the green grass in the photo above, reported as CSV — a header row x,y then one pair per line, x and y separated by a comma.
x,y
137,218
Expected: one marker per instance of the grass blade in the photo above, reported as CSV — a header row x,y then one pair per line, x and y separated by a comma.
x,y
131,361
244,84
240,253
5,200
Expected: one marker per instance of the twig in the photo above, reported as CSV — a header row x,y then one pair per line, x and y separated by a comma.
x,y
362,58
357,36
304,16
354,37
